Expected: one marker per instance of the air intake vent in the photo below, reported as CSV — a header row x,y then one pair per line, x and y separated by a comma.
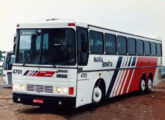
x,y
30,87
49,89
39,88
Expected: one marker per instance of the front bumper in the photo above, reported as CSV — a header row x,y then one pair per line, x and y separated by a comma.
x,y
47,100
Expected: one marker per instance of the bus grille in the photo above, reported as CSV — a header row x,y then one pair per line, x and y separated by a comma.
x,y
39,88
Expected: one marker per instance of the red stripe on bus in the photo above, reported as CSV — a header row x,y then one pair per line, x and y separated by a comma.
x,y
143,62
122,84
115,85
120,81
127,81
45,74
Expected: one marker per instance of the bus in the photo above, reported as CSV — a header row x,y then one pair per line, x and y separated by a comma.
x,y
1,64
7,67
73,63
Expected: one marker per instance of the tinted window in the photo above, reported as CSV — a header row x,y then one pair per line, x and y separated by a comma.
x,y
121,45
29,46
58,47
96,42
147,48
139,47
131,46
153,49
159,49
46,46
110,44
82,35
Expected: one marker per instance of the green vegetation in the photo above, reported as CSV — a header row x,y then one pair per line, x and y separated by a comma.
x,y
163,76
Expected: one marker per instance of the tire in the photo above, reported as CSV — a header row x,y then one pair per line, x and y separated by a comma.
x,y
149,85
97,96
142,85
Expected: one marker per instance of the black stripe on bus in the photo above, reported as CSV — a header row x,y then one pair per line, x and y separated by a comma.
x,y
26,72
114,76
134,61
130,61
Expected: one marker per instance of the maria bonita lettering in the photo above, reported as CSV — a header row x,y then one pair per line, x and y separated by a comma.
x,y
107,64
98,59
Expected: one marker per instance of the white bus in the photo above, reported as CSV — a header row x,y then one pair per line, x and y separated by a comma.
x,y
1,64
7,67
73,63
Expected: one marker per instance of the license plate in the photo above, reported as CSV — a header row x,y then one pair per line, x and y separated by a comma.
x,y
40,101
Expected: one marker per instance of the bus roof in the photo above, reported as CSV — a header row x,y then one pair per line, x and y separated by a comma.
x,y
56,23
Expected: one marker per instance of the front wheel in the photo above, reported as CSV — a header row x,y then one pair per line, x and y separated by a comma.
x,y
97,96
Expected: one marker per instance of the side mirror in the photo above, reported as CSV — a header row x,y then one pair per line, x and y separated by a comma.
x,y
14,45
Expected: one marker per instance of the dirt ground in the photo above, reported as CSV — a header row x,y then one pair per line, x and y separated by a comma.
x,y
133,106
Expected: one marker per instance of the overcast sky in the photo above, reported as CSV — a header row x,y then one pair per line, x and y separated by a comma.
x,y
141,17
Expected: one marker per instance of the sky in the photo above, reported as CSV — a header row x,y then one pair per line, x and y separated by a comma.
x,y
141,17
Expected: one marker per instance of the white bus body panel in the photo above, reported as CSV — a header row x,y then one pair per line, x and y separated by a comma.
x,y
54,81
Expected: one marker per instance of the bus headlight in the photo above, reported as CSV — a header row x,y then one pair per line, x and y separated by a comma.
x,y
17,87
22,87
65,90
62,90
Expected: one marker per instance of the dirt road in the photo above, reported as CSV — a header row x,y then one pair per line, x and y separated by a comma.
x,y
133,107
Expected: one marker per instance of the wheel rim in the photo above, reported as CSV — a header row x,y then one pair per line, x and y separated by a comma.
x,y
143,85
97,95
149,84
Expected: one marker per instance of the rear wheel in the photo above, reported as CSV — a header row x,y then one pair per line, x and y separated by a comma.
x,y
149,85
142,85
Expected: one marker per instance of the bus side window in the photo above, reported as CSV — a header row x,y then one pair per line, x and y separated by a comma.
x,y
121,45
131,46
159,51
153,49
82,36
110,44
139,47
147,48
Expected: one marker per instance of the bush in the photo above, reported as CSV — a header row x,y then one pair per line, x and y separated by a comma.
x,y
163,76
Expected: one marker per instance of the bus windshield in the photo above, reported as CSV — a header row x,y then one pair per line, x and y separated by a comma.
x,y
46,46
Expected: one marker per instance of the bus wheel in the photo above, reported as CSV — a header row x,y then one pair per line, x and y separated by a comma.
x,y
142,85
97,96
149,85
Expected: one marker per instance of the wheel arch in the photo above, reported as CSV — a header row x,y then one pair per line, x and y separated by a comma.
x,y
150,75
144,76
100,82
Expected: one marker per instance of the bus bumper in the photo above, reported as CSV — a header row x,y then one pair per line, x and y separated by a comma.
x,y
43,100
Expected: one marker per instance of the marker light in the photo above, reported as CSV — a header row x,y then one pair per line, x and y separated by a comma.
x,y
18,25
100,74
71,91
71,24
